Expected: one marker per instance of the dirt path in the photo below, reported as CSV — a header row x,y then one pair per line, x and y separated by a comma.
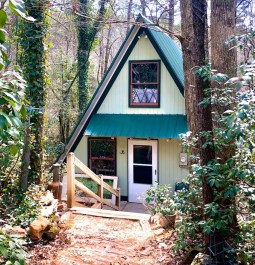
x,y
97,240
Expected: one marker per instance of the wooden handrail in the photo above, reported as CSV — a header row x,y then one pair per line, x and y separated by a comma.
x,y
93,176
73,161
86,170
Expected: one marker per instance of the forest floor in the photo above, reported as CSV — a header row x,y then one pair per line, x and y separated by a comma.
x,y
97,240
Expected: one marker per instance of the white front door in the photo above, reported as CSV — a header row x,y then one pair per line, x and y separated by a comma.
x,y
142,167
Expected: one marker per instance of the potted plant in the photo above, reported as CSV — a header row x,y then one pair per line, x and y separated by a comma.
x,y
158,200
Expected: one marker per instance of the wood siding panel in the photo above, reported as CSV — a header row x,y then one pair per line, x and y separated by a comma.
x,y
81,152
169,170
122,164
171,100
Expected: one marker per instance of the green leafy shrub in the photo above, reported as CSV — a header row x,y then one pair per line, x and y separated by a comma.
x,y
11,251
159,200
21,208
232,180
29,207
189,203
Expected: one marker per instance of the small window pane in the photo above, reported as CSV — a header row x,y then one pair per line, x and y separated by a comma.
x,y
102,148
143,174
145,93
143,154
103,167
144,73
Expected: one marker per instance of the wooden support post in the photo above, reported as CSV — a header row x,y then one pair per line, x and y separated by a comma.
x,y
70,180
56,186
56,169
102,190
99,186
118,198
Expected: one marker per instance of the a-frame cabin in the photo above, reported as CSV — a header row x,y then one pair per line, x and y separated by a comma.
x,y
132,124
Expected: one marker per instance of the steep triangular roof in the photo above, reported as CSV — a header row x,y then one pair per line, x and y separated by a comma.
x,y
169,53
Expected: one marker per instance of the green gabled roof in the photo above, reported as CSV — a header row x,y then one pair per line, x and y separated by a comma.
x,y
137,125
168,50
169,53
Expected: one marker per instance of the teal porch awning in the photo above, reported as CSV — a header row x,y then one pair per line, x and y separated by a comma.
x,y
136,125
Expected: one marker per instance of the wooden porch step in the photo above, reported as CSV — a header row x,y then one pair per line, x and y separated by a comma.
x,y
110,214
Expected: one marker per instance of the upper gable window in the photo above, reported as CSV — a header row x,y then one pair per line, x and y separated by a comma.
x,y
144,83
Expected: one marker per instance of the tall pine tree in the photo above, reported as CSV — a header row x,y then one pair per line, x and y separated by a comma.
x,y
194,48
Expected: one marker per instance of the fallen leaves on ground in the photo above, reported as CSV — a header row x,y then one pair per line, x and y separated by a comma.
x,y
96,240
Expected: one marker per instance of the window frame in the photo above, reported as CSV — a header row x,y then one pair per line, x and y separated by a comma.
x,y
144,104
114,159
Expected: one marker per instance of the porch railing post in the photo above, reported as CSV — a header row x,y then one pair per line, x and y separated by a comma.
x,y
102,190
118,198
70,180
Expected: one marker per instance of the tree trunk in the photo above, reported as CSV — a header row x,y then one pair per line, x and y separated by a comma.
x,y
87,31
83,54
64,122
25,160
130,5
100,69
194,47
107,48
33,63
223,27
224,60
143,7
171,16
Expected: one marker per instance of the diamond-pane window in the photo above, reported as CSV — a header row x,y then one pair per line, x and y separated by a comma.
x,y
144,83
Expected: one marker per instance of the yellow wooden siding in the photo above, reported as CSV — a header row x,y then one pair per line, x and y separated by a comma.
x,y
169,170
122,164
81,152
116,101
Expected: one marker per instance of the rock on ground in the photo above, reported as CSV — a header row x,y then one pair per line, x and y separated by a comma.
x,y
38,226
201,259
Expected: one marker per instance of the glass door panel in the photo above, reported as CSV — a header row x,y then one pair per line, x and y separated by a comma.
x,y
142,154
143,174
